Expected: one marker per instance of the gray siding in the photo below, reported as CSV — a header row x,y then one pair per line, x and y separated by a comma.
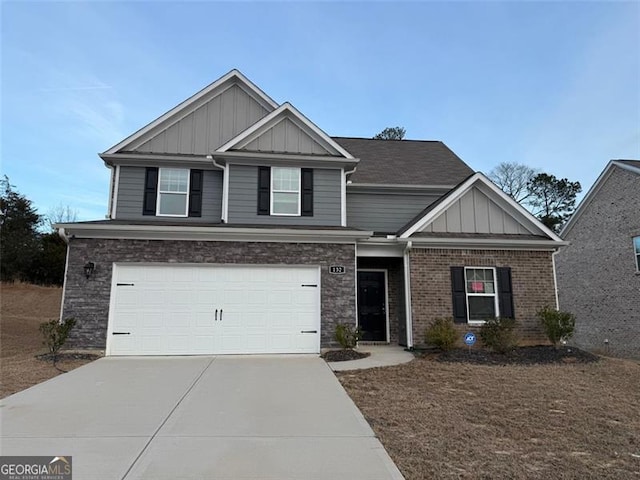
x,y
476,213
209,126
385,212
131,190
243,198
286,137
597,278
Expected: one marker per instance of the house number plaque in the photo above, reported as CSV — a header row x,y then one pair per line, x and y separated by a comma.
x,y
337,269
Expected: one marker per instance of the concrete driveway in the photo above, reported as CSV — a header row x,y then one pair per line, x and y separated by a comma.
x,y
226,417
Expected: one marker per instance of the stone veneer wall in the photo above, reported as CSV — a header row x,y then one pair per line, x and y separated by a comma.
x,y
87,300
531,277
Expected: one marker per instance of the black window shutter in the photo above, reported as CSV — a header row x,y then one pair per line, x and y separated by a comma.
x,y
195,193
505,292
150,191
459,295
307,192
264,190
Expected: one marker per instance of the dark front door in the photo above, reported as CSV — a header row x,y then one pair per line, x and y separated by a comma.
x,y
372,308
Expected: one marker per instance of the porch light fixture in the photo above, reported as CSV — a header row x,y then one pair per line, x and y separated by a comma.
x,y
89,268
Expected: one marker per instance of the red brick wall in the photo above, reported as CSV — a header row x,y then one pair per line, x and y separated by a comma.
x,y
531,276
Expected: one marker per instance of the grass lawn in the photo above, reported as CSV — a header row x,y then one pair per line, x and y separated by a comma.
x,y
457,420
23,308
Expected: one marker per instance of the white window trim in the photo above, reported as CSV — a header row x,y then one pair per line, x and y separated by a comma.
x,y
299,192
186,209
494,294
636,256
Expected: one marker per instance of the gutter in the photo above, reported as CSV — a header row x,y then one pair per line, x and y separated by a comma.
x,y
225,188
407,294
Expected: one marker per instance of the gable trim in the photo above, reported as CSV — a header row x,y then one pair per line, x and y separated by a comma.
x,y
244,83
593,191
465,187
272,119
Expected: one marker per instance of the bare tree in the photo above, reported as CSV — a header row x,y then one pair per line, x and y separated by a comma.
x,y
61,214
513,179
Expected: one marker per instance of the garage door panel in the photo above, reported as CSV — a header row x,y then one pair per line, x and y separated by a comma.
x,y
171,309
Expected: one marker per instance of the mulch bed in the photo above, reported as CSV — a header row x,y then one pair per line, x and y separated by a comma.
x,y
65,356
344,355
532,355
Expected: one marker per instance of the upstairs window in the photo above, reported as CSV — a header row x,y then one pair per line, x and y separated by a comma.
x,y
636,249
285,191
173,192
482,299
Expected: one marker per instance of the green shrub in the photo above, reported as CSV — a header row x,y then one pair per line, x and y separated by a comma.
x,y
346,335
498,334
442,333
558,325
55,334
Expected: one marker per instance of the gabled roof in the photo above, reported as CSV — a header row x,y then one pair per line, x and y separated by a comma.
x,y
632,166
404,162
285,111
531,225
234,77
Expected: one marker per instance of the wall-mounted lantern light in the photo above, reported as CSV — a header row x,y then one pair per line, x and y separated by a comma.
x,y
89,268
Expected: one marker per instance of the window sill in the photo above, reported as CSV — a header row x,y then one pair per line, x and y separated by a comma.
x,y
476,322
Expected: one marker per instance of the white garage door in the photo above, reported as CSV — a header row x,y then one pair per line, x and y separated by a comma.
x,y
196,310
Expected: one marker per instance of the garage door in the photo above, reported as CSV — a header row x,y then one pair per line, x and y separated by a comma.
x,y
199,310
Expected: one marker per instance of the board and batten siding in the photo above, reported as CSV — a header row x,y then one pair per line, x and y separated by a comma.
x,y
243,199
131,194
286,137
385,212
474,212
208,126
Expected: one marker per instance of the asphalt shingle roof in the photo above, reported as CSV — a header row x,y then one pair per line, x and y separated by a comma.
x,y
404,162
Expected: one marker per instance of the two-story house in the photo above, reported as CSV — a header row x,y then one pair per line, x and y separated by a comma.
x,y
236,225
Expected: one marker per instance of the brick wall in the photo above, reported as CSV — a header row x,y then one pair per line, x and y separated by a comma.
x,y
87,300
597,278
531,276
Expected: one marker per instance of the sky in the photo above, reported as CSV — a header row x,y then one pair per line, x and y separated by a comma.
x,y
553,85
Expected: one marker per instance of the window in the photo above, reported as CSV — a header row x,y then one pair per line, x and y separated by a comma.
x,y
636,249
482,300
285,191
173,192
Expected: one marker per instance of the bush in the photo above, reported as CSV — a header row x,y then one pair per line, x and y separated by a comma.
x,y
442,333
558,325
346,335
498,334
55,334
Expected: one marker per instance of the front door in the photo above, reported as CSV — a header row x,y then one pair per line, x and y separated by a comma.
x,y
372,306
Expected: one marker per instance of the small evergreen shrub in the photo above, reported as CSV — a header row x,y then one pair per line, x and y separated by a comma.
x,y
558,325
442,333
498,334
347,335
55,334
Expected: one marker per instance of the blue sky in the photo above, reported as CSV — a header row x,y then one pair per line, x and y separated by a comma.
x,y
554,85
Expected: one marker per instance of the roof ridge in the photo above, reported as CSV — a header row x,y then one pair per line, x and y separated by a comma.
x,y
388,140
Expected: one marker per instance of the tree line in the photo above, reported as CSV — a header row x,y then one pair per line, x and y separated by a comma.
x,y
30,250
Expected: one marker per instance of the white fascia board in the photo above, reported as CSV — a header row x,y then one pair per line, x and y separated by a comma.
x,y
158,232
373,249
272,119
595,188
398,186
493,188
255,158
157,160
258,94
485,243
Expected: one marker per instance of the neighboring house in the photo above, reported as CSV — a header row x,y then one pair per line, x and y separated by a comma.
x,y
599,272
236,225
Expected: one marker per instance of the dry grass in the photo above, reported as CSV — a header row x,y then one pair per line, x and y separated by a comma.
x,y
442,420
23,308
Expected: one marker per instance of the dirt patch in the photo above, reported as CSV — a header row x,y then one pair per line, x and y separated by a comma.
x,y
344,355
24,307
459,420
533,355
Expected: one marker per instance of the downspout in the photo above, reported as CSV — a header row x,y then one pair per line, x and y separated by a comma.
x,y
555,277
343,195
110,204
407,294
116,192
225,188
64,237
